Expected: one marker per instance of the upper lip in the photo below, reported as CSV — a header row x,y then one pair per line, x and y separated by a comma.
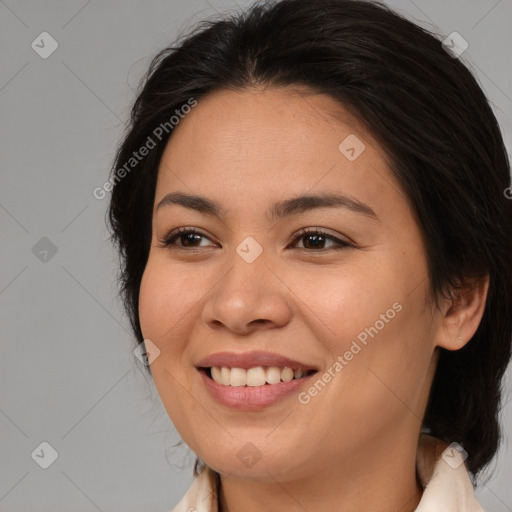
x,y
250,359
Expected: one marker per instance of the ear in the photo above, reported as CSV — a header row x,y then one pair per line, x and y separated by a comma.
x,y
462,315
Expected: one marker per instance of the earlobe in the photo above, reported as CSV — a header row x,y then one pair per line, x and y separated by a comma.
x,y
462,315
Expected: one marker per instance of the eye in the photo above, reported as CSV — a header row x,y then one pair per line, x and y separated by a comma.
x,y
317,238
188,237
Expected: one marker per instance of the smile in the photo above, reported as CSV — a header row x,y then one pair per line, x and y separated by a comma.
x,y
256,376
243,396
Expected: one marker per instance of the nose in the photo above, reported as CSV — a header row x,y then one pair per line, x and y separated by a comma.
x,y
248,297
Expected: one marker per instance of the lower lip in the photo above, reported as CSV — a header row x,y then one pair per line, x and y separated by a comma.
x,y
252,397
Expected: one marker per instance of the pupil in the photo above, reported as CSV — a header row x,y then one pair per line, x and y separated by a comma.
x,y
318,238
189,237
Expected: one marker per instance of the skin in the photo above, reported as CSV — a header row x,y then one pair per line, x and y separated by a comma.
x,y
353,446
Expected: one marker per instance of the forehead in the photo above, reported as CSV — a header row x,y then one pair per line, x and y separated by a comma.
x,y
274,124
247,146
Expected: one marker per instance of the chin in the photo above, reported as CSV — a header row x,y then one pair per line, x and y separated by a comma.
x,y
265,469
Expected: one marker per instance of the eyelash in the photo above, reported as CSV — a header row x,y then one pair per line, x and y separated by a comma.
x,y
168,241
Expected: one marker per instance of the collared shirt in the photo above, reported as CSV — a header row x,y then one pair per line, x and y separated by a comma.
x,y
441,470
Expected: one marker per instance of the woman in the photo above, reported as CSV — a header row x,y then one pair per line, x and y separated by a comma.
x,y
310,208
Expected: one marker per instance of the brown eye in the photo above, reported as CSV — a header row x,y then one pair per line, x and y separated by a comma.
x,y
316,239
313,240
187,237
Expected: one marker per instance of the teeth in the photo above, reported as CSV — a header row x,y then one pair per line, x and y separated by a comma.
x,y
217,374
238,377
273,375
253,377
256,376
225,376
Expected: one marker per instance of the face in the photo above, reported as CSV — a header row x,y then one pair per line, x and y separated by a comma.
x,y
349,302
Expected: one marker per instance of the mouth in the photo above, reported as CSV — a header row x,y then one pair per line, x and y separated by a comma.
x,y
254,377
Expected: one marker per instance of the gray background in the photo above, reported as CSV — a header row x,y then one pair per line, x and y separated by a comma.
x,y
67,372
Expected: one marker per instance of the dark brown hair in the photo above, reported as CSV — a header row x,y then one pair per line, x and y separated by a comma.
x,y
429,114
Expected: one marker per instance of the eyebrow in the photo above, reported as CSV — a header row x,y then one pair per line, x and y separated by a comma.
x,y
277,211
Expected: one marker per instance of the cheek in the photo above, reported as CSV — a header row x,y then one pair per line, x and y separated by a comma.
x,y
345,300
151,303
163,307
368,317
163,304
